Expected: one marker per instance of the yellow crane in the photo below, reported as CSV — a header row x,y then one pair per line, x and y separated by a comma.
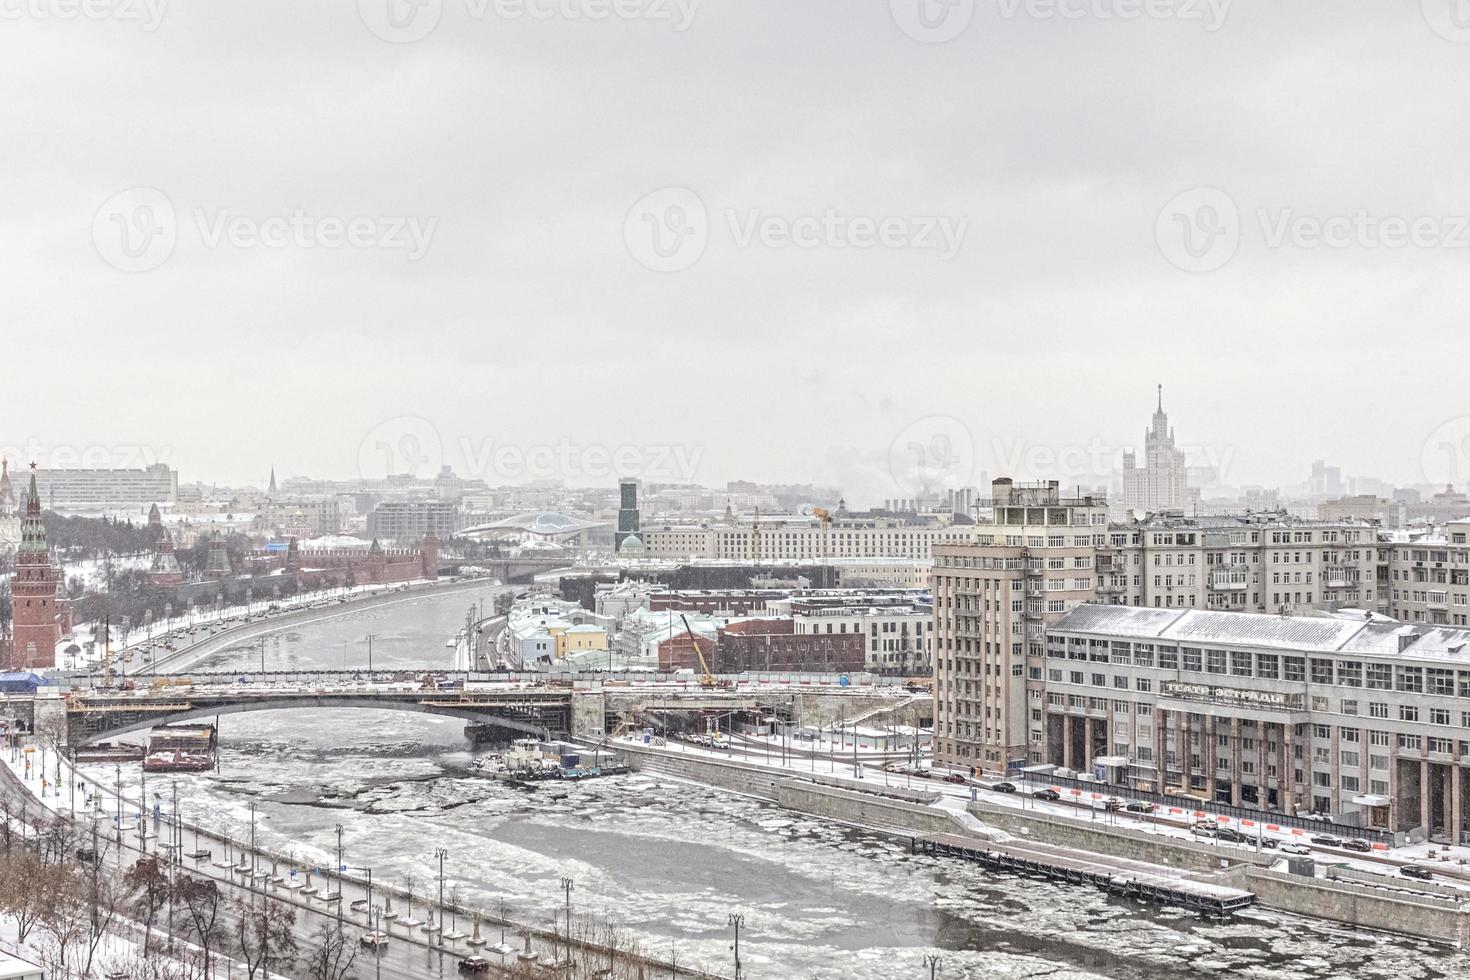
x,y
706,679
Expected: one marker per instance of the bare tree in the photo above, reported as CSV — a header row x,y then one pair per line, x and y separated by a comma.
x,y
106,897
66,918
147,884
332,954
264,934
28,887
60,838
202,902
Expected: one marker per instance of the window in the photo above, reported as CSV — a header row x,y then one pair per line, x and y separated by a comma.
x,y
1380,677
1407,712
1215,661
1377,709
1296,669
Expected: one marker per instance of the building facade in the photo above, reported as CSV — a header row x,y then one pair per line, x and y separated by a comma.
x,y
408,521
94,491
1258,563
992,601
1357,718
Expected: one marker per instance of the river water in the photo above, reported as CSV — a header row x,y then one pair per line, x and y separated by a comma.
x,y
667,861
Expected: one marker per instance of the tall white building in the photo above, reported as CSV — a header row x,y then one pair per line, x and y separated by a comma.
x,y
1159,484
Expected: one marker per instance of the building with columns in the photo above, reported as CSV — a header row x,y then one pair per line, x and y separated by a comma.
x,y
1364,719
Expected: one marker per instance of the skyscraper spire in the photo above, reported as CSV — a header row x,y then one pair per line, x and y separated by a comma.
x,y
272,489
1161,400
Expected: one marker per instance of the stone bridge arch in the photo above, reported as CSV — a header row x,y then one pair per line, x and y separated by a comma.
x,y
80,733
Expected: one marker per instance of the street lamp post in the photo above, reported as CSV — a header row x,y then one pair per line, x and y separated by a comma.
x,y
567,884
932,961
441,854
737,920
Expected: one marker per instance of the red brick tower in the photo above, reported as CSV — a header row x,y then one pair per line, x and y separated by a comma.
x,y
429,556
33,592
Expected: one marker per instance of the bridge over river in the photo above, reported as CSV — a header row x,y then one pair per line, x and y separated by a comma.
x,y
580,705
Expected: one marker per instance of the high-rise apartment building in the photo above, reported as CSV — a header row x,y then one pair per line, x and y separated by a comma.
x,y
1159,485
1259,563
993,597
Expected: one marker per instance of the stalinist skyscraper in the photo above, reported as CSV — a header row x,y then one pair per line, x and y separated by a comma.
x,y
1158,485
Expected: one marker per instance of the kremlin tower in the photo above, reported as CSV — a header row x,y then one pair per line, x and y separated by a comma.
x,y
36,614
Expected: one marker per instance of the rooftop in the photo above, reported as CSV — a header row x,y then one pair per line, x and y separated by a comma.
x,y
1384,638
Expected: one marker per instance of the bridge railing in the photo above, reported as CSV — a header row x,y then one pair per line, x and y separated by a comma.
x,y
576,679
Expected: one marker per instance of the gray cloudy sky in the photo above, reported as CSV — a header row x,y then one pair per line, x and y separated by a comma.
x,y
789,238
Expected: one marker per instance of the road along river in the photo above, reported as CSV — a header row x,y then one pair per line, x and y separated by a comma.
x,y
668,861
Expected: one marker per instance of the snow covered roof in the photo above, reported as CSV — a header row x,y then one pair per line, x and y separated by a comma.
x,y
1303,633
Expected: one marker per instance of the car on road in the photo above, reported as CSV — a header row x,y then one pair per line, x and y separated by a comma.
x,y
1416,871
374,939
1358,844
1047,794
1204,826
1295,848
1140,806
1230,834
1326,840
1004,787
1111,804
955,777
474,964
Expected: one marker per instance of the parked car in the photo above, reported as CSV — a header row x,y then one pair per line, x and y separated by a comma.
x,y
1204,825
1326,840
1230,834
1292,847
1358,844
1416,871
1269,843
955,777
1004,787
474,964
1140,806
1047,794
1111,804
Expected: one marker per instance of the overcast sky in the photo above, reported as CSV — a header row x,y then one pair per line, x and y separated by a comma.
x,y
576,228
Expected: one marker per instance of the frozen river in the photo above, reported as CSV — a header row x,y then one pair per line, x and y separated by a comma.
x,y
668,861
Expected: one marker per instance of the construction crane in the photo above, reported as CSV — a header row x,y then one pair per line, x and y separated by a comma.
x,y
825,516
706,679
